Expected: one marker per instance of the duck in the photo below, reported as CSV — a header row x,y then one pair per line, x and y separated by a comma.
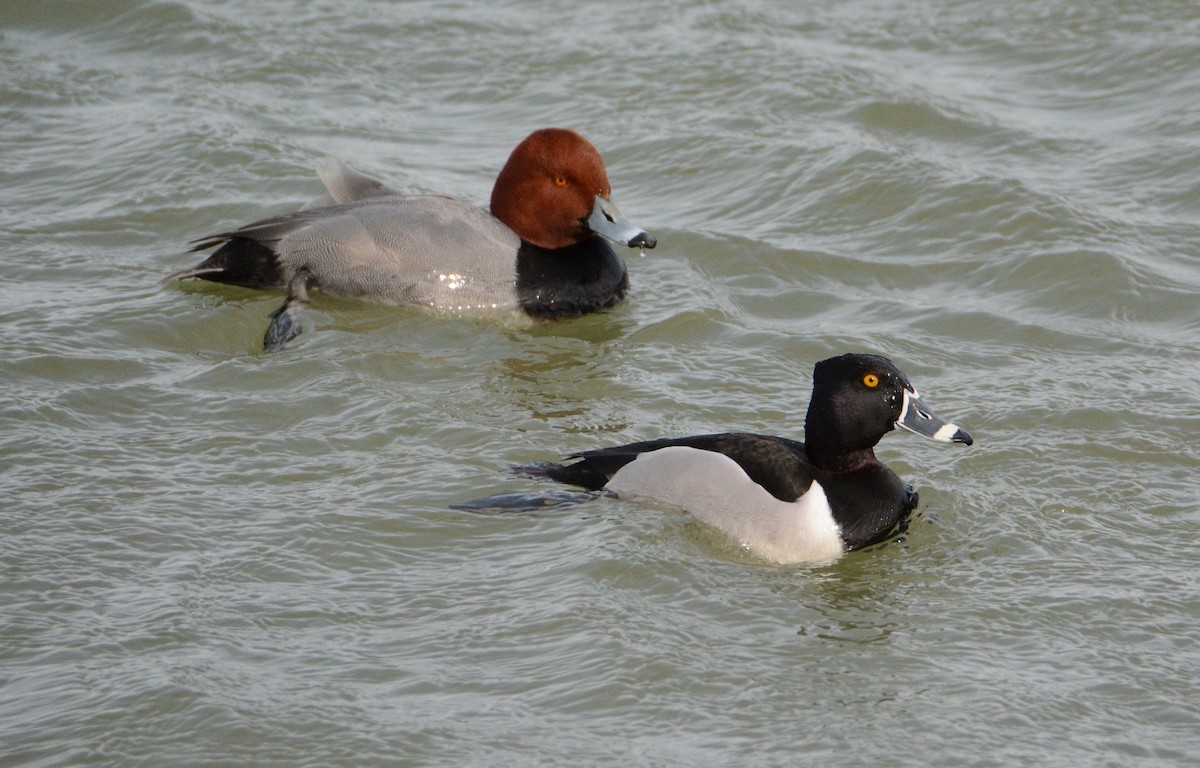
x,y
784,500
542,249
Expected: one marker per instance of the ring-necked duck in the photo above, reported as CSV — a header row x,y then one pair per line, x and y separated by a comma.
x,y
785,500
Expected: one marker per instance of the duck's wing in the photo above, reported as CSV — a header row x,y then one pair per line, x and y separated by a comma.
x,y
391,249
775,463
343,185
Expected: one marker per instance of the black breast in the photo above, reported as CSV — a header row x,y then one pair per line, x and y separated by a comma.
x,y
575,280
868,503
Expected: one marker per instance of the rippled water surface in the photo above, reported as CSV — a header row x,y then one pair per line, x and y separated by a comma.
x,y
215,556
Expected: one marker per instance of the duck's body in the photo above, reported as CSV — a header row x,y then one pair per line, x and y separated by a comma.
x,y
541,249
761,490
785,500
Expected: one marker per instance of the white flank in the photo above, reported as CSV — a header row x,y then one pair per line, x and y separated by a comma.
x,y
715,490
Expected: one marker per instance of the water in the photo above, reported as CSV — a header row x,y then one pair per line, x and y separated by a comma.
x,y
214,556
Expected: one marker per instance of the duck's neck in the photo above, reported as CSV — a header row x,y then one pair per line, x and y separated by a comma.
x,y
831,445
838,460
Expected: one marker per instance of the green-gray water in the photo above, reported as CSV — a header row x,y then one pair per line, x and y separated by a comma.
x,y
212,556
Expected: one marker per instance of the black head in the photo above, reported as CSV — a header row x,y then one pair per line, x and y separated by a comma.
x,y
856,400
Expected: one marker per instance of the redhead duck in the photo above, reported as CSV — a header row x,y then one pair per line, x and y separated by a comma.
x,y
541,250
784,500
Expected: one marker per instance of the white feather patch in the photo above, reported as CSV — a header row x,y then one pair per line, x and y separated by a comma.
x,y
715,490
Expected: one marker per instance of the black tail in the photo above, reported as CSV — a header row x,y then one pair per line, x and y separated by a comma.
x,y
572,474
239,261
581,473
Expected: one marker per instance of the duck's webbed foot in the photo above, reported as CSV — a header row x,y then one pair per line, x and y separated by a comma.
x,y
284,324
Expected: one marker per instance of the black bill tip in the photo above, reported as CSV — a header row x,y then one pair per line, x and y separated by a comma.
x,y
642,240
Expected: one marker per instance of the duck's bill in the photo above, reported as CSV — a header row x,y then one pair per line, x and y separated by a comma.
x,y
916,417
606,219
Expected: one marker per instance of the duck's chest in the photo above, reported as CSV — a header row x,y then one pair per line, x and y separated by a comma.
x,y
570,281
867,504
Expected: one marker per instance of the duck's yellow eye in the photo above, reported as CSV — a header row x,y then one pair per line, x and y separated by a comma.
x,y
871,380
560,181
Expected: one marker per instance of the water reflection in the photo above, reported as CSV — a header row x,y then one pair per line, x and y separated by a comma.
x,y
564,374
